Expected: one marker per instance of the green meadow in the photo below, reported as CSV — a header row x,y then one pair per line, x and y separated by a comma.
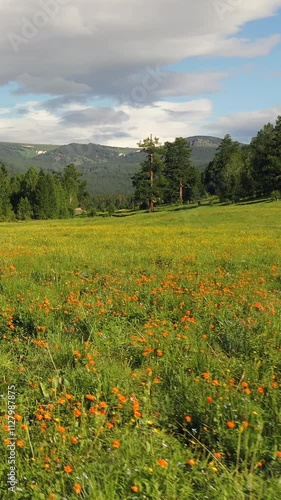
x,y
141,356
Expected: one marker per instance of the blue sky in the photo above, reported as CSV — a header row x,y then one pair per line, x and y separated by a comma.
x,y
100,75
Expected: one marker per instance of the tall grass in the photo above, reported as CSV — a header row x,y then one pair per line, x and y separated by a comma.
x,y
145,352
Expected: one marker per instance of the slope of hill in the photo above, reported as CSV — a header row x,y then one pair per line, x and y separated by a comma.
x,y
108,170
203,149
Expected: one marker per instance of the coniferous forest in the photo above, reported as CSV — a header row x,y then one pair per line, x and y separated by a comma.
x,y
237,171
166,176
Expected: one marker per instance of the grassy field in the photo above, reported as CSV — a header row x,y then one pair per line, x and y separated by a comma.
x,y
143,356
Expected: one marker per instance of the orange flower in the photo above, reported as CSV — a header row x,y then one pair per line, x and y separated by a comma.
x,y
74,439
206,375
278,454
77,412
260,390
188,418
191,462
135,488
102,404
61,429
90,397
218,455
20,443
230,424
209,399
159,352
68,468
17,417
245,423
116,443
122,398
162,462
115,390
259,306
77,488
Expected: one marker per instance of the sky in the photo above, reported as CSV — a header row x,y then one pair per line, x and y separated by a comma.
x,y
113,72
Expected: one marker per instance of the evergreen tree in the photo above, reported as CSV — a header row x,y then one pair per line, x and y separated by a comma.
x,y
72,184
247,184
262,152
6,210
266,158
24,209
223,172
44,199
16,191
149,182
182,177
29,183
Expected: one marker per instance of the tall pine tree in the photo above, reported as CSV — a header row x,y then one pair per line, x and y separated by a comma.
x,y
149,182
183,179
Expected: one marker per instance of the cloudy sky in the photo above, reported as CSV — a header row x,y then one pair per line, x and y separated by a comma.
x,y
112,72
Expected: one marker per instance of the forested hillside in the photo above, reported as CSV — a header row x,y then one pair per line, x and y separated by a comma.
x,y
107,170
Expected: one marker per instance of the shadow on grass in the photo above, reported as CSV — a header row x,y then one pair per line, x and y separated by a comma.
x,y
185,207
254,201
124,214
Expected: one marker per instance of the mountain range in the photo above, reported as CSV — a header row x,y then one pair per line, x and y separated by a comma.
x,y
107,170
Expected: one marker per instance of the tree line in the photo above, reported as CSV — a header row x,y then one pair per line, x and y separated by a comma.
x,y
39,195
166,176
241,171
52,195
236,172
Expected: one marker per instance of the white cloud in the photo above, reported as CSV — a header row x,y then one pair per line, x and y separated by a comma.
x,y
78,51
33,85
103,125
243,126
87,42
